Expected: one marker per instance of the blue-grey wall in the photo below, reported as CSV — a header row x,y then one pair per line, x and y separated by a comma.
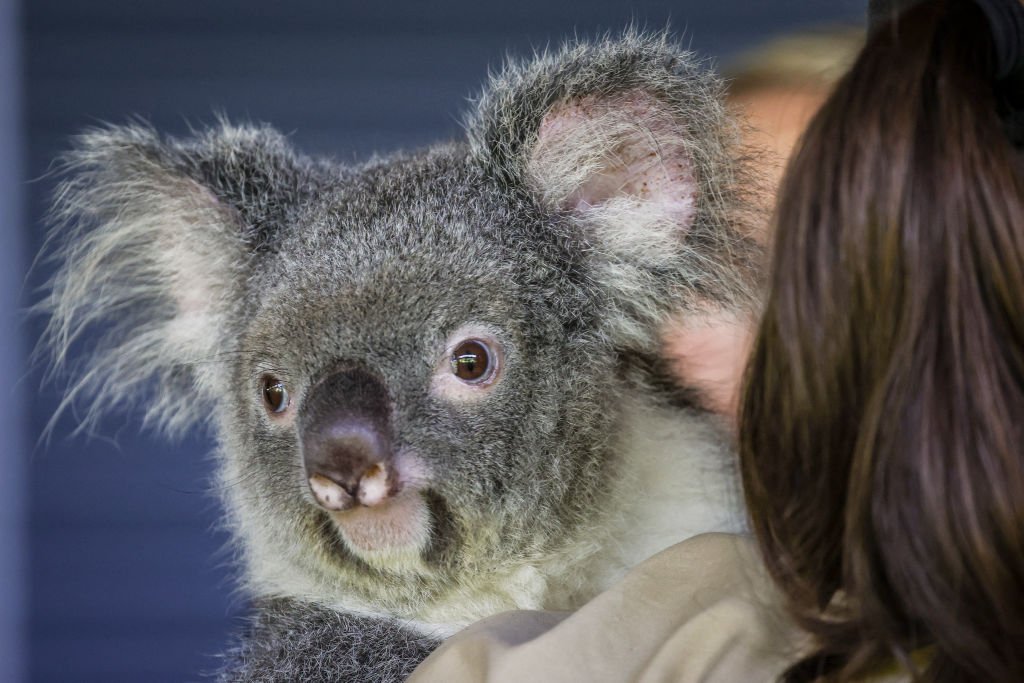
x,y
13,392
127,583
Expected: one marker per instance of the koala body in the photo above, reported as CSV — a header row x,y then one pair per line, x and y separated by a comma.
x,y
434,378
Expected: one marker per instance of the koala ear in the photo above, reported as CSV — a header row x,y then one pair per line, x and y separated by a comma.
x,y
619,160
630,139
154,239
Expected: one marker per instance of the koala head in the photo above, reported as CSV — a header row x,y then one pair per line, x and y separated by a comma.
x,y
414,367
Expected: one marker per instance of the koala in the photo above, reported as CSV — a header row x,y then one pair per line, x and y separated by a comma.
x,y
435,378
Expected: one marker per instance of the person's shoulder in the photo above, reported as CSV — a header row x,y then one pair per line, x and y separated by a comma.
x,y
731,624
701,610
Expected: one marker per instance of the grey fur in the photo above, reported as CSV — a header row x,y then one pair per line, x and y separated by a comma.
x,y
210,261
292,641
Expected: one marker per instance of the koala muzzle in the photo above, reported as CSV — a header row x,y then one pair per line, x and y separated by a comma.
x,y
344,428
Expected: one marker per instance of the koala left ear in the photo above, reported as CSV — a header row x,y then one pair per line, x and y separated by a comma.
x,y
630,138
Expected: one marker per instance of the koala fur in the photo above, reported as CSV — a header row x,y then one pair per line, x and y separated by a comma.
x,y
226,275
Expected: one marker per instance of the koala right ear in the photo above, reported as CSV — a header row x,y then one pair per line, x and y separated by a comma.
x,y
627,138
154,240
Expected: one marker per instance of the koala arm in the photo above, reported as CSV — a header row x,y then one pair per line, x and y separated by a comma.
x,y
290,640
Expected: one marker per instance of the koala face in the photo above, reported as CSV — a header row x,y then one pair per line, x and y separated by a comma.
x,y
417,369
405,376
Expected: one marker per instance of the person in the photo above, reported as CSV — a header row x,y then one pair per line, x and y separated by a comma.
x,y
880,432
880,422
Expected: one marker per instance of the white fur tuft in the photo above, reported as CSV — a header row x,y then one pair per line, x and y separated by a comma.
x,y
149,264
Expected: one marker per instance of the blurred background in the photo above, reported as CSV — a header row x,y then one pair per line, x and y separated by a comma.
x,y
112,567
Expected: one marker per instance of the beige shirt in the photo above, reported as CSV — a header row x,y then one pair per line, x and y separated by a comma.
x,y
702,610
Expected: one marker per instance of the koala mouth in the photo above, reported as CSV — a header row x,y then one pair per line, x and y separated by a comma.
x,y
396,529
383,517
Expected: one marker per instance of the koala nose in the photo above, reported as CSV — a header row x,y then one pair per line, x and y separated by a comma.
x,y
344,428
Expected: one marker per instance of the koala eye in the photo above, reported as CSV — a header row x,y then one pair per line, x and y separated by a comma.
x,y
275,395
473,361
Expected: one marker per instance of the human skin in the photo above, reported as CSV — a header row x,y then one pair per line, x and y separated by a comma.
x,y
776,117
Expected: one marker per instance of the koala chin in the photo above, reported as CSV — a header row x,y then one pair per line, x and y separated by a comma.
x,y
434,378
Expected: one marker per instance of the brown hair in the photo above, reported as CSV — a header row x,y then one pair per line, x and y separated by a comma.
x,y
882,420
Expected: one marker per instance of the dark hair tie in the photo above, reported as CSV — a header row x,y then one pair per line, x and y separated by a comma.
x,y
1006,23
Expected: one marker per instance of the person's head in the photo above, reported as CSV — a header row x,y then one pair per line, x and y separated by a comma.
x,y
882,419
